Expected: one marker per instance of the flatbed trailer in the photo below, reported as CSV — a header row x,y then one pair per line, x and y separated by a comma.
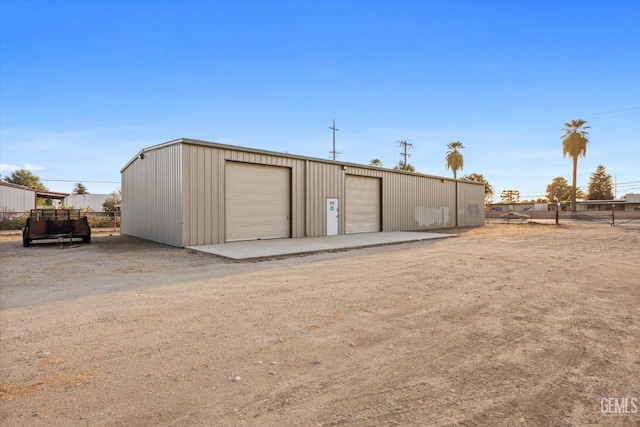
x,y
45,224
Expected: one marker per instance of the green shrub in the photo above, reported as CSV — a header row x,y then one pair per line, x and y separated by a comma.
x,y
12,222
102,221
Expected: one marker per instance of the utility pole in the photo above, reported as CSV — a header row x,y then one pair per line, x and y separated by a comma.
x,y
334,129
405,145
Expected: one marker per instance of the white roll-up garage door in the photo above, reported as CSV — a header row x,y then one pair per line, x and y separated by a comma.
x,y
257,201
362,204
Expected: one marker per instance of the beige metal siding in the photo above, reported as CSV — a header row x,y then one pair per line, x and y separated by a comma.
x,y
413,202
176,194
409,201
204,190
257,201
322,181
90,202
151,196
203,195
362,204
16,199
470,204
297,190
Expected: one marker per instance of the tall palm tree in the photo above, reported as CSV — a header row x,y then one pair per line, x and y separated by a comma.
x,y
574,143
454,159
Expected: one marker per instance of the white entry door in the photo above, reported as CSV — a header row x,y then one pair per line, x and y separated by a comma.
x,y
332,217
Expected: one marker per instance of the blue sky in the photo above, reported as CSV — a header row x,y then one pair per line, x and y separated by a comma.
x,y
84,85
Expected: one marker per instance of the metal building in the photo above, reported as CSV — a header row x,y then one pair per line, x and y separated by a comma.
x,y
88,202
189,192
19,199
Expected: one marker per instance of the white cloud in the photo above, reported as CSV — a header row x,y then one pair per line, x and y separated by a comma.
x,y
27,166
31,167
8,168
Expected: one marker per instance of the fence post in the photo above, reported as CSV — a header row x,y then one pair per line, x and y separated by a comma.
x,y
613,217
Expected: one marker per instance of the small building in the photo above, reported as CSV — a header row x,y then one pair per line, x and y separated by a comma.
x,y
630,202
520,207
86,202
188,192
16,199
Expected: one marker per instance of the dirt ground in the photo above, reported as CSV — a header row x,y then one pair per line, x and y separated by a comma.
x,y
505,325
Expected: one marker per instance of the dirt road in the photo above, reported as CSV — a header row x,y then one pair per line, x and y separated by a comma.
x,y
506,325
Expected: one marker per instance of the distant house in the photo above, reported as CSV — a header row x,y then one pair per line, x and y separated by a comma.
x,y
17,198
630,202
523,207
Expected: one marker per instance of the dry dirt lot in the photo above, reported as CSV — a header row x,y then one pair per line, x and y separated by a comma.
x,y
506,325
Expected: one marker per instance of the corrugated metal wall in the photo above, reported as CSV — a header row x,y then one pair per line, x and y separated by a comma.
x,y
414,202
152,196
203,196
92,202
362,204
257,201
417,203
323,180
470,204
16,199
297,182
176,194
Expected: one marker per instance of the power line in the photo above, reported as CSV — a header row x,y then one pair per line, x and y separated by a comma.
x,y
614,111
303,136
618,116
614,114
80,181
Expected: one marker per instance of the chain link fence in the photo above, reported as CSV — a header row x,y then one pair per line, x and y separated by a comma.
x,y
17,220
611,217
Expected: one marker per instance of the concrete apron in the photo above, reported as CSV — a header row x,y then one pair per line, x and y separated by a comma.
x,y
253,249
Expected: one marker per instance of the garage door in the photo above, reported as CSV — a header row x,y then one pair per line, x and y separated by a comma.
x,y
362,204
257,202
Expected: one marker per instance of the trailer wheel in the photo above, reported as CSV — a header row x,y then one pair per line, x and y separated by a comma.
x,y
25,238
86,239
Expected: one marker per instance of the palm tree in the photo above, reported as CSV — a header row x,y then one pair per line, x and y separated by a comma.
x,y
454,159
574,143
402,166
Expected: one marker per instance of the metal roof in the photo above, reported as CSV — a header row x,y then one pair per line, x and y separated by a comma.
x,y
43,194
275,153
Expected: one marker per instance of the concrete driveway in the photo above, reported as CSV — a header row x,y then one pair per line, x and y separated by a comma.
x,y
253,249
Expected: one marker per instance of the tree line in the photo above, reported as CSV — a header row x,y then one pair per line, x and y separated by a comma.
x,y
27,179
560,191
574,145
